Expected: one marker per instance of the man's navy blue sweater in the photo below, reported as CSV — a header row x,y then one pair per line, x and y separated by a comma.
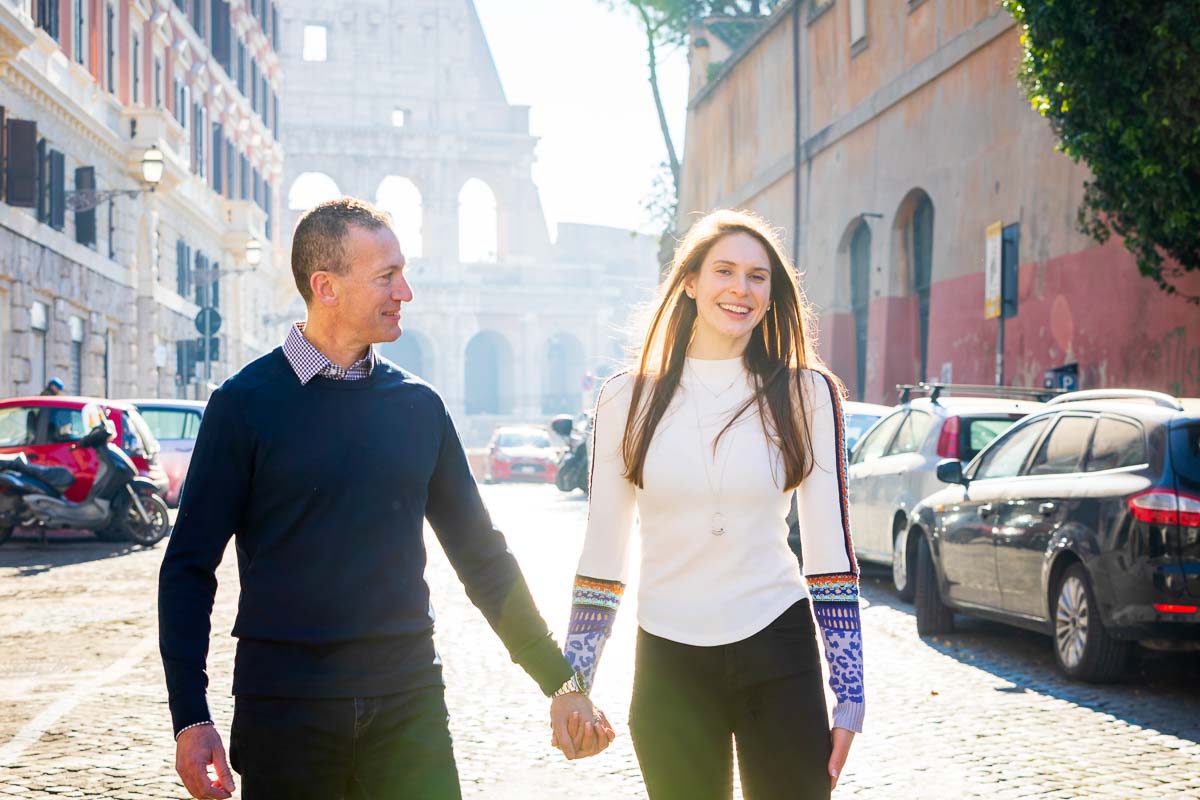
x,y
326,487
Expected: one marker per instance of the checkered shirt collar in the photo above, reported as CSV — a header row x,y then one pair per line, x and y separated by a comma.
x,y
308,362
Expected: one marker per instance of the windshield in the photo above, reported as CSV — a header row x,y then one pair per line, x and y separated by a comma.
x,y
856,426
18,426
523,439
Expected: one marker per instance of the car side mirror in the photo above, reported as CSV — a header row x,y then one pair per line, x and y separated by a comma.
x,y
562,425
950,471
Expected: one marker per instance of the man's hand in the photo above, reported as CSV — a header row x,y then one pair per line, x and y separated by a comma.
x,y
579,728
195,749
842,740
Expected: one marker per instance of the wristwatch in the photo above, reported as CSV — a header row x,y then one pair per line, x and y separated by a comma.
x,y
575,683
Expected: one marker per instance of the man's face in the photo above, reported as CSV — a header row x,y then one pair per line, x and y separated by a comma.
x,y
370,294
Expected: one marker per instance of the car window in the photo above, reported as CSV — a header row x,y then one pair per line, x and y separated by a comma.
x,y
523,439
1185,451
873,445
149,440
1062,451
981,431
1117,443
171,423
1005,458
856,426
18,426
131,441
912,433
65,425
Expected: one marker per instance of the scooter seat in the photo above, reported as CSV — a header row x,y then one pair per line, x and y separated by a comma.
x,y
58,477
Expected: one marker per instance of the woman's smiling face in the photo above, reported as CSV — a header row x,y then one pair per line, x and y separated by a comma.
x,y
732,291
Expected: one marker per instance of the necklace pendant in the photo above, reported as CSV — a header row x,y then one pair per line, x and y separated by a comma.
x,y
718,524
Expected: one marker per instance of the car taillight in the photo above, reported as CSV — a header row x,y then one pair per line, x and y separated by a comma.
x,y
948,441
1164,507
1170,608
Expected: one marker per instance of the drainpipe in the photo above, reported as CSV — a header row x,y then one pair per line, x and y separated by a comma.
x,y
797,146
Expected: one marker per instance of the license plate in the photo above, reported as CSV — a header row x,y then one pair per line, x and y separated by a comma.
x,y
526,468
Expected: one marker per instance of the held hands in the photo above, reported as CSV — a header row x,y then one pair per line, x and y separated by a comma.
x,y
195,750
579,728
841,739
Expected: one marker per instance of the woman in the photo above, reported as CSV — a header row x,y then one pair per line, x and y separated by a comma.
x,y
731,411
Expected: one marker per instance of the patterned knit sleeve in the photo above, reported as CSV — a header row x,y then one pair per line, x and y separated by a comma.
x,y
600,581
829,564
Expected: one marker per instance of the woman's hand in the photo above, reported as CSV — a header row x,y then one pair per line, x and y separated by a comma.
x,y
579,728
842,739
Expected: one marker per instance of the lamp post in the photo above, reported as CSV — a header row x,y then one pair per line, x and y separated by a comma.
x,y
152,172
208,321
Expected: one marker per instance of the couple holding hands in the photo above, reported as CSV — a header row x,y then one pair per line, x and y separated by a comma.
x,y
338,688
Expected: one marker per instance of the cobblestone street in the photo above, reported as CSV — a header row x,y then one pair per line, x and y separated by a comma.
x,y
980,713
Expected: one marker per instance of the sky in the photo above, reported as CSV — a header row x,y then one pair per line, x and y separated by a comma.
x,y
582,70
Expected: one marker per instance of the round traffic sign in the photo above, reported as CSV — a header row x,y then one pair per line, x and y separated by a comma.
x,y
208,321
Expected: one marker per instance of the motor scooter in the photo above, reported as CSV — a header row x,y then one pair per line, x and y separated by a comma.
x,y
573,466
120,506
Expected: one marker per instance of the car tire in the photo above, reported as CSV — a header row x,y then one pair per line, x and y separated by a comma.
x,y
1084,650
933,615
902,577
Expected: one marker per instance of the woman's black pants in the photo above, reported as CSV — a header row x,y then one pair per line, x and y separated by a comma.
x,y
764,693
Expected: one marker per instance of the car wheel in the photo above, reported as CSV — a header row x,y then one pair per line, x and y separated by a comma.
x,y
902,577
933,616
1083,648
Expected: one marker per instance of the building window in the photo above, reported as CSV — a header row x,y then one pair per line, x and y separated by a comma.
x,y
56,169
399,117
46,12
39,321
76,379
137,70
158,82
858,24
112,229
315,43
85,221
110,38
80,42
183,268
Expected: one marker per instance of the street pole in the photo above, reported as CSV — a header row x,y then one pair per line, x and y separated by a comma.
x,y
208,338
1000,351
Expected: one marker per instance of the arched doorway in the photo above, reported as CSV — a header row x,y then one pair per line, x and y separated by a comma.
x,y
488,374
311,189
478,227
562,374
860,302
401,198
920,239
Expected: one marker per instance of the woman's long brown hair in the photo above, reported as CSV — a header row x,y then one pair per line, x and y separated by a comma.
x,y
780,346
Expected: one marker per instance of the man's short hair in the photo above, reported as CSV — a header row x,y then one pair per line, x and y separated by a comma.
x,y
319,241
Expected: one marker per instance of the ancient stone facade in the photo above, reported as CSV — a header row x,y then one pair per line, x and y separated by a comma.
x,y
400,103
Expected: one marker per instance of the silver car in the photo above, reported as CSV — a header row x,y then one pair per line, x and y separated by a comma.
x,y
894,465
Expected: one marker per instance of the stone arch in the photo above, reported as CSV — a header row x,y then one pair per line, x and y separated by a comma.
x,y
912,254
401,198
413,351
488,374
310,189
563,371
478,223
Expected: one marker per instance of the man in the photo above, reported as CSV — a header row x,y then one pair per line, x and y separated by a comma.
x,y
53,388
323,460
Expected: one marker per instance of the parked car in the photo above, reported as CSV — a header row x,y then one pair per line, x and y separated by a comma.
x,y
521,452
859,419
894,464
44,428
1082,522
175,424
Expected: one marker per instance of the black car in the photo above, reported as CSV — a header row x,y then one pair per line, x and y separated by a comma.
x,y
1081,521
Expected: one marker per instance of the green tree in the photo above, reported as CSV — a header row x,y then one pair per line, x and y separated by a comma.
x,y
1120,85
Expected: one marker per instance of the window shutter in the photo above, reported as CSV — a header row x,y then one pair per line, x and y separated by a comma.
x,y
3,151
85,221
180,269
218,150
216,285
23,154
58,190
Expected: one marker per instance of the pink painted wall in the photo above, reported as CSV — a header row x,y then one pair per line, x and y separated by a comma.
x,y
1091,308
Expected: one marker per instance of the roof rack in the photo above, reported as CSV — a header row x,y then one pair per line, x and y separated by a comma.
x,y
934,389
1158,398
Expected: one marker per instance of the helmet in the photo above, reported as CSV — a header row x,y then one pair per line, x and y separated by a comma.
x,y
56,383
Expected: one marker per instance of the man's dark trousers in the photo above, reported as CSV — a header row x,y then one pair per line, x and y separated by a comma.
x,y
397,746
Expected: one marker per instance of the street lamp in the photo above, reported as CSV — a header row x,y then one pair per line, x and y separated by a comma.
x,y
253,252
87,199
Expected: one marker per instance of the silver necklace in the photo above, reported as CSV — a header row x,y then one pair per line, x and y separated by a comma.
x,y
718,518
